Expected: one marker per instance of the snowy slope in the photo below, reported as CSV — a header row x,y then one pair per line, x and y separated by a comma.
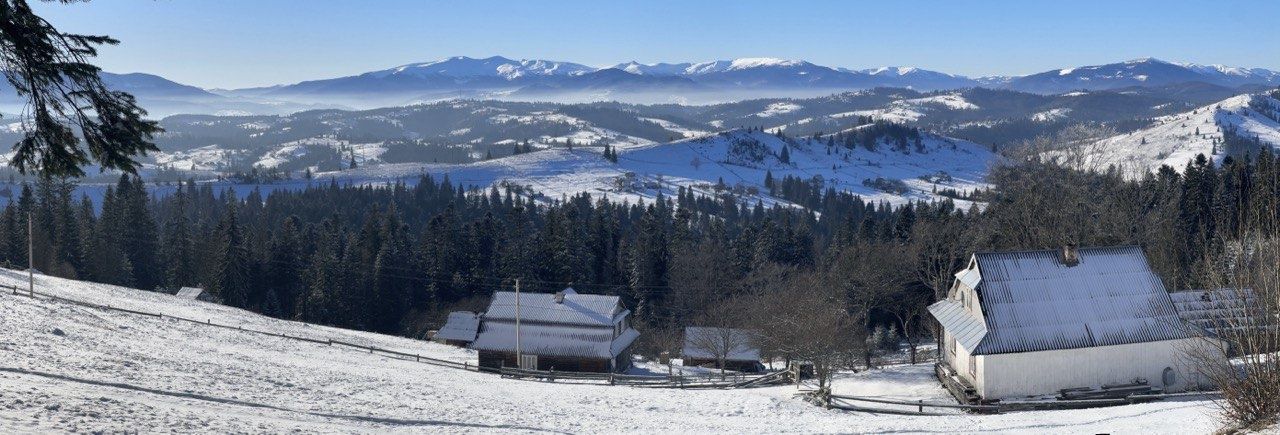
x,y
645,170
68,368
1173,141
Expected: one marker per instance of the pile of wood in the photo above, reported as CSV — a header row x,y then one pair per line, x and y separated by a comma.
x,y
1109,391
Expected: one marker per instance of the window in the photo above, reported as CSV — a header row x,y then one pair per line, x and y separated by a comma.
x,y
951,346
973,367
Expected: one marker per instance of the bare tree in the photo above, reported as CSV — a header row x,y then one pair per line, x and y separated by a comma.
x,y
806,321
908,309
719,337
870,275
1242,361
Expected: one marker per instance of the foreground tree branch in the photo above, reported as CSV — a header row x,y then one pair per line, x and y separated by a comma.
x,y
66,99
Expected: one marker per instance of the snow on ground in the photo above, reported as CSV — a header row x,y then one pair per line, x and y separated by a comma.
x,y
779,108
645,170
67,368
677,128
911,110
76,369
1173,139
204,158
1051,114
285,152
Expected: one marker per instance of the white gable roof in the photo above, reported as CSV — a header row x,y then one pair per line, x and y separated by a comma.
x,y
575,309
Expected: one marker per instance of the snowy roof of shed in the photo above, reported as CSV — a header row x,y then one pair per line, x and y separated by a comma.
x,y
743,349
461,326
1033,301
189,292
1216,309
575,309
554,340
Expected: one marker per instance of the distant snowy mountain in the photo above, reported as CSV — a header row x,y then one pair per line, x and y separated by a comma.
x,y
1175,140
495,66
1139,72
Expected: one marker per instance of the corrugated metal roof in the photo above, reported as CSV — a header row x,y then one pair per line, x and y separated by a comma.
x,y
189,292
1032,301
554,340
461,326
741,340
1217,309
576,309
967,329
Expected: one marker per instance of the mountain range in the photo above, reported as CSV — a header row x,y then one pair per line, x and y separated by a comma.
x,y
633,82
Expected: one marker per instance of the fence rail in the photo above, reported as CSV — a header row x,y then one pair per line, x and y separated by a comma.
x,y
682,381
919,404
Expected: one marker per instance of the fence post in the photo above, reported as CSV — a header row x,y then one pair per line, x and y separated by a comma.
x,y
921,405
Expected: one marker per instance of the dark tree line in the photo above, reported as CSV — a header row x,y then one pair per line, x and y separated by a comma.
x,y
393,259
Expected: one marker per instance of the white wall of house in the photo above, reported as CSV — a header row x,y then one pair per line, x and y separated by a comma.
x,y
1013,375
959,359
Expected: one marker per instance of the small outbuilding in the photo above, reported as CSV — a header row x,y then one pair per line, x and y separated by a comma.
x,y
192,293
459,330
1032,323
564,331
705,347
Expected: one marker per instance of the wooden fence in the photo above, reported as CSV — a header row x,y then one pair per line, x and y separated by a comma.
x,y
709,380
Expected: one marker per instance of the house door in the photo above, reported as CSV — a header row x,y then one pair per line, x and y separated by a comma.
x,y
529,362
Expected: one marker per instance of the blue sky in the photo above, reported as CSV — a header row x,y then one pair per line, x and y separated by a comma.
x,y
240,43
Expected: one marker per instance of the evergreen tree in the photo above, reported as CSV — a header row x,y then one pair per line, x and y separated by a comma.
x,y
230,274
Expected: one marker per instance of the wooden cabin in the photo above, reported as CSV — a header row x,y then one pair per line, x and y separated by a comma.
x,y
703,347
564,331
1031,323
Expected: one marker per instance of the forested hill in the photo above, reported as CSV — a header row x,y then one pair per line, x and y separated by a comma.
x,y
393,259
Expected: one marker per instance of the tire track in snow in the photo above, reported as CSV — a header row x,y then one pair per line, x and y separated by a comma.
x,y
221,400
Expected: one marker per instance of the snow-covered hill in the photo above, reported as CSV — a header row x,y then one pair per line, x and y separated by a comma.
x,y
1140,72
1175,140
739,158
70,368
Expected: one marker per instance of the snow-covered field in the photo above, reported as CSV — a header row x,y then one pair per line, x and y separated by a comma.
x,y
645,170
68,368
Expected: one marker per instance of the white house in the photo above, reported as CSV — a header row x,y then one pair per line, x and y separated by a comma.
x,y
1031,323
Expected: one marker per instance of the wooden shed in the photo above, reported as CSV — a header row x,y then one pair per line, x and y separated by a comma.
x,y
564,331
705,346
459,330
1031,323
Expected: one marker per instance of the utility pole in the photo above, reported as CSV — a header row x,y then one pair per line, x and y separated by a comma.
x,y
31,266
519,355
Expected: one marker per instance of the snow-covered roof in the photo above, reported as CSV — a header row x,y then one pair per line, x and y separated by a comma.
x,y
574,309
189,292
461,326
743,349
554,340
1216,309
1033,301
967,329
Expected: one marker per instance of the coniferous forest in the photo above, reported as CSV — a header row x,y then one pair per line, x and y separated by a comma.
x,y
395,259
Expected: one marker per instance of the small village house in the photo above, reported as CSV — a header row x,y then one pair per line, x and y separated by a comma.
x,y
459,330
706,347
564,331
1031,323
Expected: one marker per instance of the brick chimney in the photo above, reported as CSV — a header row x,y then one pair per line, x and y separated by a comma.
x,y
1070,255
